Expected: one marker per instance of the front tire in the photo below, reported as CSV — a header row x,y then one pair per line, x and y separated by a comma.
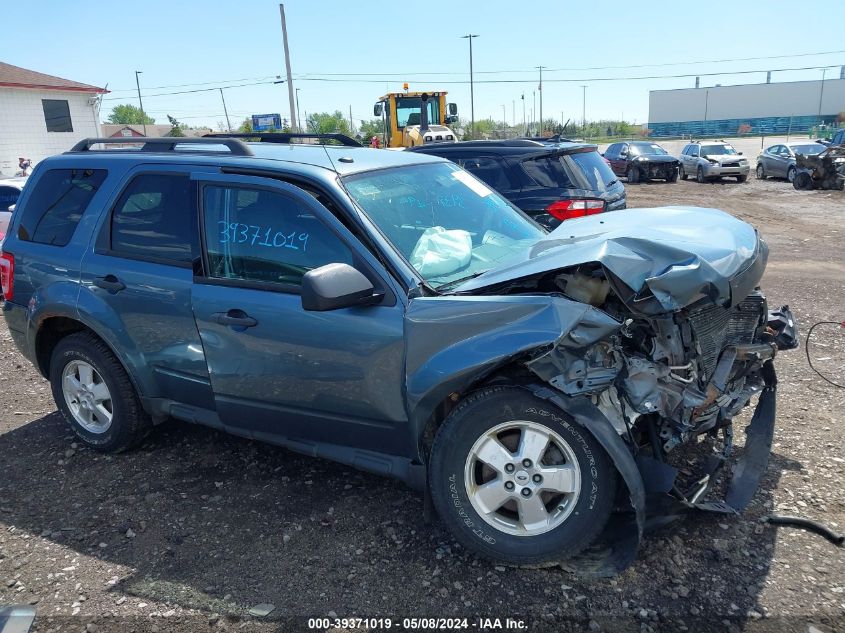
x,y
673,177
518,482
633,176
699,175
682,173
790,174
761,172
741,178
95,395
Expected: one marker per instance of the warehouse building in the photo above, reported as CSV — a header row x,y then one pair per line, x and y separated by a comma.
x,y
42,115
767,108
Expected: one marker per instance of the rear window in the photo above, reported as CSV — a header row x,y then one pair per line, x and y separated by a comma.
x,y
548,171
8,197
57,203
598,174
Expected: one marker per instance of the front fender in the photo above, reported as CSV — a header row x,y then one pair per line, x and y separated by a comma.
x,y
454,341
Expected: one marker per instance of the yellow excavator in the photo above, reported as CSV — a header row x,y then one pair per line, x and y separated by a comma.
x,y
415,118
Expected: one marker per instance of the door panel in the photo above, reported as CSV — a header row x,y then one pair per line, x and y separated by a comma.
x,y
141,290
276,369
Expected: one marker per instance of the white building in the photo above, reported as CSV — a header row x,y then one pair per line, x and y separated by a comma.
x,y
766,108
42,115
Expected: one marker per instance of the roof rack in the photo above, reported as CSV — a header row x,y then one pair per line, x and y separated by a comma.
x,y
285,137
168,144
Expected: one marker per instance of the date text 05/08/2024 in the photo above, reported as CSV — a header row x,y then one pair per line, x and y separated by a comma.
x,y
419,624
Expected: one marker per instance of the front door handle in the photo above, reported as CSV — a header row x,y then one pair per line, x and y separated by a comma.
x,y
110,283
236,318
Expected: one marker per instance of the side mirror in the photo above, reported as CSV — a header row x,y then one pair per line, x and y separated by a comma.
x,y
452,109
335,286
452,118
378,109
740,153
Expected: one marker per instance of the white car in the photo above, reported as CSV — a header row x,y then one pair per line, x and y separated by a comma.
x,y
10,191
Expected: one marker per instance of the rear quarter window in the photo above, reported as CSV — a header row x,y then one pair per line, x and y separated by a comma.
x,y
57,203
594,169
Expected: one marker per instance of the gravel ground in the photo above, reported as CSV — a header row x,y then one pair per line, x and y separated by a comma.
x,y
194,528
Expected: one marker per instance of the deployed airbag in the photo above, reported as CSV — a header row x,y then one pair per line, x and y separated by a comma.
x,y
441,251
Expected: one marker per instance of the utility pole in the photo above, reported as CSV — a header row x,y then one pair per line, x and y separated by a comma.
x,y
504,118
351,127
513,112
821,94
293,109
540,88
228,125
298,121
471,92
141,103
584,109
534,113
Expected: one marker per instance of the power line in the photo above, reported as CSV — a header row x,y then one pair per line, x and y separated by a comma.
x,y
582,79
185,92
204,83
522,70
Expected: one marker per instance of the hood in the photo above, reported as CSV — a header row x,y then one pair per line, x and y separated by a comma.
x,y
680,254
725,158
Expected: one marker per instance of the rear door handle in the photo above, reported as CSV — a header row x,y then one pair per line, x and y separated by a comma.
x,y
236,318
110,283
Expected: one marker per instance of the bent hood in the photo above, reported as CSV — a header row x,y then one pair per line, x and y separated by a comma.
x,y
679,254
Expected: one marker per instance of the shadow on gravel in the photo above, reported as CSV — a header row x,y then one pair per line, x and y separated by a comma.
x,y
208,521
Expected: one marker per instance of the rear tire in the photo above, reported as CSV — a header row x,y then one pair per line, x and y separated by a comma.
x,y
516,481
790,174
633,175
95,395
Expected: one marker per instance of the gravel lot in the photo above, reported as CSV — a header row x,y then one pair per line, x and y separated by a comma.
x,y
194,528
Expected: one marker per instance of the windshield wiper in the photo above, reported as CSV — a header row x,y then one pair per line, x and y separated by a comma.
x,y
455,282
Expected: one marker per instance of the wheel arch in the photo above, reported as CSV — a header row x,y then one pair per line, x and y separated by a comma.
x,y
53,329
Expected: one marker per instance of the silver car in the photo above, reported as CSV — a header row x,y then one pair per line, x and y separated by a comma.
x,y
10,190
779,160
707,160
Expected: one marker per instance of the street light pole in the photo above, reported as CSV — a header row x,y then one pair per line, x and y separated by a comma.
x,y
524,120
504,118
540,88
141,103
298,121
821,94
469,37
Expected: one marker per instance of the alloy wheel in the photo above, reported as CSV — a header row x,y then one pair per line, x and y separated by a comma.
x,y
522,478
87,396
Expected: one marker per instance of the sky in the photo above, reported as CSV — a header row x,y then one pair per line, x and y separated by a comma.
x,y
347,54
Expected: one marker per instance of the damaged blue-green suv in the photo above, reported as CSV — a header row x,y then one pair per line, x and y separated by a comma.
x,y
389,311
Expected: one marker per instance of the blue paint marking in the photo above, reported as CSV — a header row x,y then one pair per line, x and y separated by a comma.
x,y
237,233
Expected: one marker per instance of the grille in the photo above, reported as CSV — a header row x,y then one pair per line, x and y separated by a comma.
x,y
730,164
715,328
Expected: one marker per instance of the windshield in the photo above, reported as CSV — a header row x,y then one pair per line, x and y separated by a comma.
x,y
408,111
808,150
446,223
650,148
712,150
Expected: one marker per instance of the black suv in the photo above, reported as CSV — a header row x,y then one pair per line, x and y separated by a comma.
x,y
549,182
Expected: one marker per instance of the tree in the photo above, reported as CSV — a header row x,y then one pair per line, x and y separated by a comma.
x,y
128,114
246,126
369,129
325,123
176,129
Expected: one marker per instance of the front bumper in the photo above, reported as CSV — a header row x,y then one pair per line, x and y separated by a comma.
x,y
714,171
